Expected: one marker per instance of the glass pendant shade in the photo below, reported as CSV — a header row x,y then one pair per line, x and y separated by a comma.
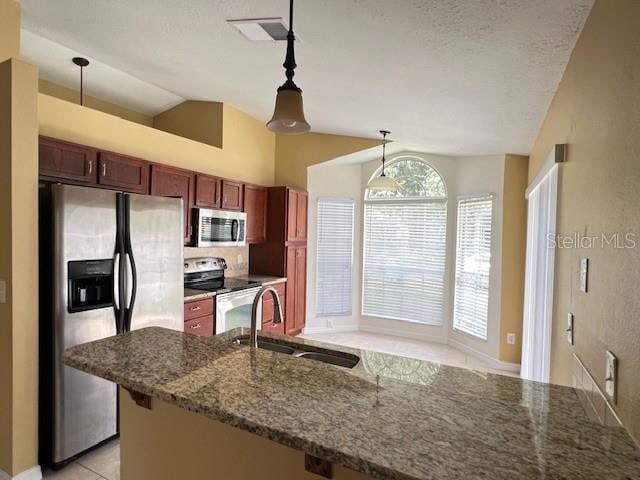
x,y
382,183
288,116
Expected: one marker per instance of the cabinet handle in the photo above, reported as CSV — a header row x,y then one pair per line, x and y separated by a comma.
x,y
195,309
104,169
195,327
90,167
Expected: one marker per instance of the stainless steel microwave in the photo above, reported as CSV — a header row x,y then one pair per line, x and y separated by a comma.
x,y
220,228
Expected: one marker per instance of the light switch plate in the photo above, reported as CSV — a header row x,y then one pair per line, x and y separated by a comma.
x,y
511,338
570,328
611,376
584,274
3,291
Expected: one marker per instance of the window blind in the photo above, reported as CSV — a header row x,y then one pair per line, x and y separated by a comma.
x,y
473,264
335,257
404,260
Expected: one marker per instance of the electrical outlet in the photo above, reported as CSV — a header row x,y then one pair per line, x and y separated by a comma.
x,y
511,338
570,328
611,376
584,274
3,291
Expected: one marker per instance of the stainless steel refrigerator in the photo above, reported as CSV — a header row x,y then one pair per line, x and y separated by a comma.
x,y
117,262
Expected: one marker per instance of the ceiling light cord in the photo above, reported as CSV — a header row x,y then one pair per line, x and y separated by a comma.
x,y
290,58
384,149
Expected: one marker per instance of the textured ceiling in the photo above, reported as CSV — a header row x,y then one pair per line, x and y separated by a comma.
x,y
445,76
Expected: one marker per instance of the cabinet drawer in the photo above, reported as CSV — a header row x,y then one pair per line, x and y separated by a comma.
x,y
198,308
201,326
271,328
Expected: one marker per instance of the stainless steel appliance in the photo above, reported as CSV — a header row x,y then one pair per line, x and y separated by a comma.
x,y
220,228
116,266
234,296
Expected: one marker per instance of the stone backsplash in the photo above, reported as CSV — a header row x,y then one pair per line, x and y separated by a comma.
x,y
237,257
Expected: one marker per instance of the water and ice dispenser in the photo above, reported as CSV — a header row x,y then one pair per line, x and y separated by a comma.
x,y
91,285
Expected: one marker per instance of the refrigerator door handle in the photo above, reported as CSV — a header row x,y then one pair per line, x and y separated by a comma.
x,y
132,264
116,283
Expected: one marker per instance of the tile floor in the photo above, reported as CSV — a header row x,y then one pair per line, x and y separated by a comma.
x,y
100,464
104,462
433,352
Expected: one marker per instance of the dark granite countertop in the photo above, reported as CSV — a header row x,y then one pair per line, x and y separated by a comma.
x,y
193,294
390,417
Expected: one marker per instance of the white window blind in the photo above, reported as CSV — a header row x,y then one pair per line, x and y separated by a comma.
x,y
404,260
473,264
335,257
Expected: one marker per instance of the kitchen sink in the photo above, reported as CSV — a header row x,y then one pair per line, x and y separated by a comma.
x,y
274,347
341,360
329,358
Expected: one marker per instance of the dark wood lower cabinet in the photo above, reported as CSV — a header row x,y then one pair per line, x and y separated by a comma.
x,y
200,317
296,289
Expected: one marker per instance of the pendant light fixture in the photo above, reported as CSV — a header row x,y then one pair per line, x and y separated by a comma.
x,y
81,62
288,116
382,183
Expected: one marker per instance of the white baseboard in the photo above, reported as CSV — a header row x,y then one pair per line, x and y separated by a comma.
x,y
413,336
492,362
34,473
334,329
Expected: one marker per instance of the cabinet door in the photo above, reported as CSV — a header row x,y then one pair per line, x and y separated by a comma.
x,y
255,206
292,216
268,305
207,191
173,182
301,217
290,300
301,289
231,195
123,173
67,162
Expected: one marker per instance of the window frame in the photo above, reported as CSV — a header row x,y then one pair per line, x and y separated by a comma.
x,y
343,201
466,198
409,201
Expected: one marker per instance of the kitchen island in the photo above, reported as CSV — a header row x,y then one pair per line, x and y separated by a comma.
x,y
211,409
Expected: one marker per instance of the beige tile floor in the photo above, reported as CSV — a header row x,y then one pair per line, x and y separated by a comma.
x,y
104,462
100,464
433,352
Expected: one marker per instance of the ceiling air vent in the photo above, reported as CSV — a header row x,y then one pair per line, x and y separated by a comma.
x,y
261,29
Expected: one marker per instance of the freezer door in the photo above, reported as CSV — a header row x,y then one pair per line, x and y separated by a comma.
x,y
84,228
155,279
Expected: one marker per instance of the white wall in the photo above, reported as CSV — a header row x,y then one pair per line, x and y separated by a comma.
x,y
338,181
462,176
481,175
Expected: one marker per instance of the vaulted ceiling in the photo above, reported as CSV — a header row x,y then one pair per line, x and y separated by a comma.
x,y
445,76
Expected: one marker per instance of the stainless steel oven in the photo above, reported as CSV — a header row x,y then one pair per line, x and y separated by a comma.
x,y
233,309
220,228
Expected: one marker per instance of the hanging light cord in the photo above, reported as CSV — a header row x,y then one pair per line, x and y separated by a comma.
x,y
290,59
81,86
384,148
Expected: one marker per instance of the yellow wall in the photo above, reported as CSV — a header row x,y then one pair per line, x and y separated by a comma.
x,y
169,443
295,153
514,234
18,266
596,112
70,95
248,154
199,121
9,29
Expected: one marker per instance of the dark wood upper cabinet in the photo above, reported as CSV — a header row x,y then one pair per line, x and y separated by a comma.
x,y
178,183
255,206
208,191
232,197
296,215
123,173
67,162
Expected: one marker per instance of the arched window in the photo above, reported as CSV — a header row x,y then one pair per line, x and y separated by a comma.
x,y
405,245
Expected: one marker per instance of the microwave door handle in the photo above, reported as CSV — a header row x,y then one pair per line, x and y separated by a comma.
x,y
235,227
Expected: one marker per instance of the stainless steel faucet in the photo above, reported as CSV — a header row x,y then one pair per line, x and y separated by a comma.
x,y
277,313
